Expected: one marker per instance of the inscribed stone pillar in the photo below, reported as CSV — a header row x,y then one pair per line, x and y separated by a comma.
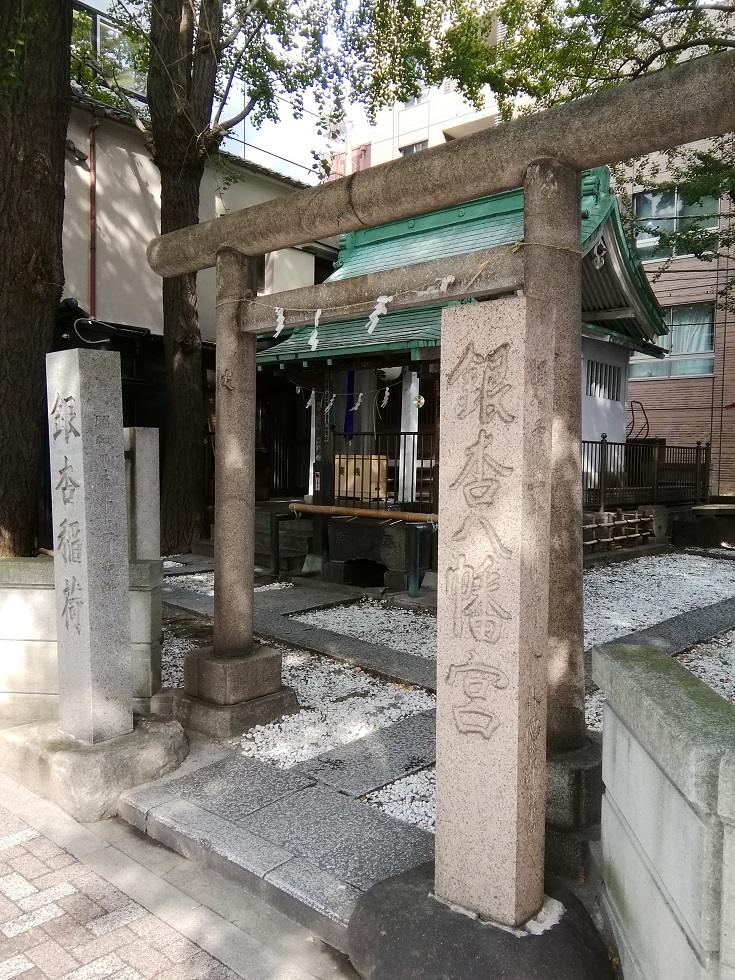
x,y
90,543
496,389
552,278
144,492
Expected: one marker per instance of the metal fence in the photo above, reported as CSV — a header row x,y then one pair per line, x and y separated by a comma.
x,y
387,469
627,474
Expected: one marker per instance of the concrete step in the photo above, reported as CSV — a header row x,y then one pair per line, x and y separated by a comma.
x,y
203,546
303,847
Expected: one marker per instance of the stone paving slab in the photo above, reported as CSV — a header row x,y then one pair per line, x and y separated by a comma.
x,y
237,786
379,758
356,843
203,836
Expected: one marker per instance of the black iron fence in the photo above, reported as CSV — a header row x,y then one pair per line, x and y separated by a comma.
x,y
627,474
389,469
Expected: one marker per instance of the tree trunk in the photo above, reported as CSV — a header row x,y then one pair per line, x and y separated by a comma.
x,y
182,495
34,114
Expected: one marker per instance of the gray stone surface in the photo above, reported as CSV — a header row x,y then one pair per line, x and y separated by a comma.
x,y
314,887
90,542
496,391
237,786
356,843
234,501
399,931
553,283
213,842
87,779
230,720
144,492
230,680
379,758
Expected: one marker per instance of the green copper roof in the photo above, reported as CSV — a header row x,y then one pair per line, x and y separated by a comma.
x,y
615,281
399,331
489,221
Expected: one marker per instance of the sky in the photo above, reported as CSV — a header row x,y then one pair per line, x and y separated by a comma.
x,y
284,146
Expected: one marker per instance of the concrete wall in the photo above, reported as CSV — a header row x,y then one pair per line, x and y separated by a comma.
x,y
128,194
28,658
668,817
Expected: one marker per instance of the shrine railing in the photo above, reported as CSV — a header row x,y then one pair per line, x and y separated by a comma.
x,y
628,474
386,469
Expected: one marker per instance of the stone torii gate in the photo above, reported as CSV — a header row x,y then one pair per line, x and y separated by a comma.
x,y
510,502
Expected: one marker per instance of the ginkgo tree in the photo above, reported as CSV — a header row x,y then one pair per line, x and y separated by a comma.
x,y
210,64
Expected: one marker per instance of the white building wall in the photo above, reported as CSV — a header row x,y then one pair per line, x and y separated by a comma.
x,y
445,114
602,414
128,194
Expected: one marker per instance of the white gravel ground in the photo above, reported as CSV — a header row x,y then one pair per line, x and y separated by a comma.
x,y
714,663
411,799
339,704
618,599
203,583
399,629
172,658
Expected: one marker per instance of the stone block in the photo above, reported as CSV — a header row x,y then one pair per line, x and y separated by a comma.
x,y
496,393
143,491
379,758
28,667
682,849
353,842
727,933
680,722
27,612
574,787
231,680
213,842
23,709
86,779
146,666
146,615
314,898
567,853
652,944
230,720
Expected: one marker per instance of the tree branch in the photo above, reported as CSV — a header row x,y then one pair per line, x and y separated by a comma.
x,y
240,23
233,71
238,117
683,46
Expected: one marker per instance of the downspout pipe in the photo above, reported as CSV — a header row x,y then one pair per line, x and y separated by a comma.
x,y
93,218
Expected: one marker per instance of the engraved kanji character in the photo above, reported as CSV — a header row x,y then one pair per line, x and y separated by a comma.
x,y
72,603
69,545
467,530
480,475
473,604
63,414
475,682
481,380
67,484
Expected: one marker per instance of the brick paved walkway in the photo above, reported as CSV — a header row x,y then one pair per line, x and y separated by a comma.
x,y
58,920
82,902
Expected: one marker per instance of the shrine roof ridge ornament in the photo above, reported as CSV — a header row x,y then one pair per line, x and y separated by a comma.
x,y
691,101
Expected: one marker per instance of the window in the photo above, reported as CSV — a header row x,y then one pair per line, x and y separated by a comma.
x,y
450,85
690,345
603,381
417,99
666,211
407,151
